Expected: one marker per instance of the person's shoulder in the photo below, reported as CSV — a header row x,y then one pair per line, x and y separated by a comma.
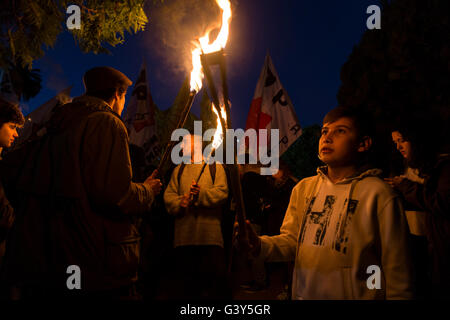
x,y
308,180
93,107
104,114
306,184
376,182
176,170
376,186
106,118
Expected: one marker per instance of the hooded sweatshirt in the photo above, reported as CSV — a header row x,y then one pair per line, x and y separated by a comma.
x,y
338,234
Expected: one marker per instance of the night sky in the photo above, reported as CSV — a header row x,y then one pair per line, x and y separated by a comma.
x,y
308,41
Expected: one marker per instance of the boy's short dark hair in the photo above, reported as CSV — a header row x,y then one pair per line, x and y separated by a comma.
x,y
10,113
360,118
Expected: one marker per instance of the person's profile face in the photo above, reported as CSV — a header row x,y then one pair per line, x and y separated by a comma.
x,y
402,145
8,133
338,144
119,103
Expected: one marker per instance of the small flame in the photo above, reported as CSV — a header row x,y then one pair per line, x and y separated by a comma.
x,y
218,135
205,47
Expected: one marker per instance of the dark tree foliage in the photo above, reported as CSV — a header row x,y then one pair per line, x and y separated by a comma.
x,y
26,82
28,27
402,71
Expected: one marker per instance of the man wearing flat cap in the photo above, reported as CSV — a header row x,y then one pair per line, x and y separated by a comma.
x,y
75,202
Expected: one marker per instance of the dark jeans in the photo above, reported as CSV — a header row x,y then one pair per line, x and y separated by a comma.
x,y
200,273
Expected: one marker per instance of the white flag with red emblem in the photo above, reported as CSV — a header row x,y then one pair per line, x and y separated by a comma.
x,y
140,119
272,108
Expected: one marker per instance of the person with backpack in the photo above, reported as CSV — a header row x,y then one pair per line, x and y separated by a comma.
x,y
74,233
10,119
198,241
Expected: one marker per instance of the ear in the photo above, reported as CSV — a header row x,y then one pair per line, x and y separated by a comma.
x,y
117,95
113,99
365,144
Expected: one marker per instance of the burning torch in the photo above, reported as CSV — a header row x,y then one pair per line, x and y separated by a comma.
x,y
203,46
204,57
207,54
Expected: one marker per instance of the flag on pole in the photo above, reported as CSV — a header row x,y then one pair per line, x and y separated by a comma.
x,y
35,120
271,108
140,120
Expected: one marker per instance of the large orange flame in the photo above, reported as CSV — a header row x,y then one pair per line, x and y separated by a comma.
x,y
218,135
205,47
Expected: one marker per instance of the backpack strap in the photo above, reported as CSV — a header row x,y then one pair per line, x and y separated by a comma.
x,y
180,172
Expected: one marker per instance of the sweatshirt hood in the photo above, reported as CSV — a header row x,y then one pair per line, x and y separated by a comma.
x,y
359,175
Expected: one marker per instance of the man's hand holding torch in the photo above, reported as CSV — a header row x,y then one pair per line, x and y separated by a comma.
x,y
153,183
195,191
190,197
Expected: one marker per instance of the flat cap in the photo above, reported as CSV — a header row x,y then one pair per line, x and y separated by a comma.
x,y
102,78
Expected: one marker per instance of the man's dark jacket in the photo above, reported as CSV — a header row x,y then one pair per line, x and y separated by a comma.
x,y
74,202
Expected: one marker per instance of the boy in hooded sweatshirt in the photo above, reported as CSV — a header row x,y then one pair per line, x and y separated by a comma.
x,y
344,228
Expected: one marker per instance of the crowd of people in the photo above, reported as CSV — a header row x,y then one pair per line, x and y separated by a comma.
x,y
69,198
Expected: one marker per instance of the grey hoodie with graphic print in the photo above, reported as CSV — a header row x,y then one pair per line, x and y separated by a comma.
x,y
335,241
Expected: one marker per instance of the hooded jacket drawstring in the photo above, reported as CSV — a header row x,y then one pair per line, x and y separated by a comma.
x,y
350,192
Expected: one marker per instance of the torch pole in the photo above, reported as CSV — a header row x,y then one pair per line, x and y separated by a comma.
x,y
181,122
201,172
236,188
204,165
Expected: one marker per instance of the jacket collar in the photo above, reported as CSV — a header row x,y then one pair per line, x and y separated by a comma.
x,y
92,101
